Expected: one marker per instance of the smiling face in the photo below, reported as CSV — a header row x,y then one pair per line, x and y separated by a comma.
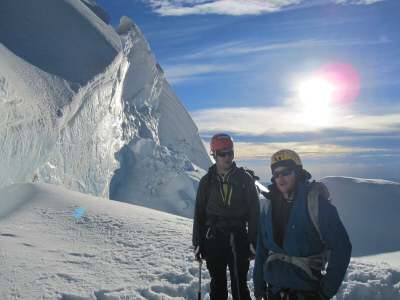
x,y
224,163
286,184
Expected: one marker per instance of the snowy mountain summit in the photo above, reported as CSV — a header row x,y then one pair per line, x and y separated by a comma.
x,y
87,107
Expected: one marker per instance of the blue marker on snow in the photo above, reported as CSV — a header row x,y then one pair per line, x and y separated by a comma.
x,y
78,212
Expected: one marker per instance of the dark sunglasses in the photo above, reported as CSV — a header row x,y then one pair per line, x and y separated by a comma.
x,y
223,154
284,172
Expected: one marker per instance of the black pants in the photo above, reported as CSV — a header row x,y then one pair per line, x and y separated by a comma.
x,y
219,255
291,295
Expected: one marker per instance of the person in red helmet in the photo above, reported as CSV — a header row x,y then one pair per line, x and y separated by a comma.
x,y
225,224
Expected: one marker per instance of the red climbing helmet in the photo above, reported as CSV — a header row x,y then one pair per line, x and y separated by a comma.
x,y
220,141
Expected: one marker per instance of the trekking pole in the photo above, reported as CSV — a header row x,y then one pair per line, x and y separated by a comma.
x,y
235,264
199,292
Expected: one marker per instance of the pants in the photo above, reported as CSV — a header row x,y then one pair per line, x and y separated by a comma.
x,y
219,255
290,294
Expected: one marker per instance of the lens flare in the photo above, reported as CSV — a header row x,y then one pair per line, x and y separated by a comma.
x,y
78,212
345,80
320,93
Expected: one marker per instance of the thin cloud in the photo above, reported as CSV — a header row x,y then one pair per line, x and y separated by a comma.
x,y
222,7
241,48
232,7
263,151
365,2
269,121
178,73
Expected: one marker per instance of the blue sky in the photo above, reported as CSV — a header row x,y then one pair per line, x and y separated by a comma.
x,y
321,77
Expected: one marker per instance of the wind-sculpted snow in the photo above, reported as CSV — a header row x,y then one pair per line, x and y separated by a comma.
x,y
61,38
83,107
48,51
369,209
115,250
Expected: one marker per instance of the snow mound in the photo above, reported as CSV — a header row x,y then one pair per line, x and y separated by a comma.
x,y
369,210
369,281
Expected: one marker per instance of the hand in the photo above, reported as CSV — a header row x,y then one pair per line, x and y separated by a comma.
x,y
321,296
322,189
252,251
261,298
197,253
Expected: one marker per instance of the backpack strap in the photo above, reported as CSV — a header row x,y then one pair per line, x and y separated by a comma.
x,y
209,186
241,181
266,206
313,209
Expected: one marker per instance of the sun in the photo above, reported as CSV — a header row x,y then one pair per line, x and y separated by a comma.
x,y
335,84
316,92
323,91
315,95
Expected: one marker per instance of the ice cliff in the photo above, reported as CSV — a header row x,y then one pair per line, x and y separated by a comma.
x,y
87,107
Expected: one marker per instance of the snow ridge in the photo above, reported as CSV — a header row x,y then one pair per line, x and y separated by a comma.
x,y
95,133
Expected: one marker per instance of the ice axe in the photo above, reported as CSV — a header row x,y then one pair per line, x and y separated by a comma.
x,y
235,262
199,292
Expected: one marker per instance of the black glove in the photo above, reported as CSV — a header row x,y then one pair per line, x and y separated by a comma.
x,y
198,253
252,251
322,296
315,296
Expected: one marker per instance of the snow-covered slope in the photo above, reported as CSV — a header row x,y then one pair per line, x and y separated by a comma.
x,y
370,211
89,109
115,250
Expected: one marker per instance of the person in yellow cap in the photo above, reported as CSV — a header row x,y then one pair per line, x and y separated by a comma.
x,y
225,224
294,238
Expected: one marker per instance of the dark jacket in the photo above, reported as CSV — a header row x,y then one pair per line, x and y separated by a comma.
x,y
302,240
229,202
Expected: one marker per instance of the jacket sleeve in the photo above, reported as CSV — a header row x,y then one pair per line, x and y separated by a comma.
x,y
253,206
199,212
337,239
260,286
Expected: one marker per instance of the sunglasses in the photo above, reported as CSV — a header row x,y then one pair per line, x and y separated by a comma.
x,y
223,154
284,172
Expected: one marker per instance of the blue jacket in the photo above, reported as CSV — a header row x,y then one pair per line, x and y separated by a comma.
x,y
302,240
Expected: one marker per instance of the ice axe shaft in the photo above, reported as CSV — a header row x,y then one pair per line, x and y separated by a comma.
x,y
199,291
235,262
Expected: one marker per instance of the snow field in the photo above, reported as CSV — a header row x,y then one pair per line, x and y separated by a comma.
x,y
116,250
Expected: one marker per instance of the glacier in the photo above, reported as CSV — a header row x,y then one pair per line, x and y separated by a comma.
x,y
87,107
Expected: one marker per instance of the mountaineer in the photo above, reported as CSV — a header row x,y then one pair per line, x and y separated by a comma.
x,y
298,230
225,224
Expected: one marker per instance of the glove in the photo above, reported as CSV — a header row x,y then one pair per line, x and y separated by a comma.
x,y
322,296
197,253
252,251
